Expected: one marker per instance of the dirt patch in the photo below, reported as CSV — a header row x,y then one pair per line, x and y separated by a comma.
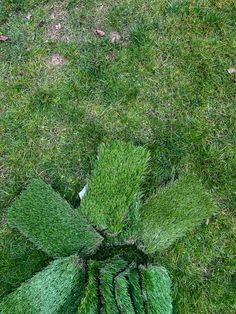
x,y
56,29
55,60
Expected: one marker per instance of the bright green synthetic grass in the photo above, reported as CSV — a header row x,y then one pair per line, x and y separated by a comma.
x,y
136,290
90,303
56,289
172,212
114,188
122,293
50,223
107,277
156,286
164,86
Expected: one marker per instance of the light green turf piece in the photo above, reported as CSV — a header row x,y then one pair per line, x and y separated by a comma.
x,y
49,222
107,277
136,291
55,290
114,189
172,212
123,294
156,286
89,303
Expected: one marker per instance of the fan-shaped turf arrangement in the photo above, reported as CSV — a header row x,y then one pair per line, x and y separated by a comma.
x,y
102,251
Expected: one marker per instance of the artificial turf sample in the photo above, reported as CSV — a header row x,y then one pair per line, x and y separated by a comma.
x,y
156,286
54,290
49,222
114,188
19,260
107,276
136,291
124,299
90,303
172,212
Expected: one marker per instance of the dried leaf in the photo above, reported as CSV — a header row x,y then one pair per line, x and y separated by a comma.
x,y
231,70
115,37
3,38
99,32
207,221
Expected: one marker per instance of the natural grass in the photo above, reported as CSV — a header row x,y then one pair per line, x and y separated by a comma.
x,y
114,188
172,212
56,289
164,86
156,286
50,223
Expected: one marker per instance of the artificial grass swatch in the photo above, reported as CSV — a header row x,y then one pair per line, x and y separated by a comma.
x,y
123,295
56,289
136,290
19,259
90,303
107,277
156,287
114,188
172,212
49,222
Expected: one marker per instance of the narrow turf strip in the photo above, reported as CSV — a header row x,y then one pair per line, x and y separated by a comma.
x,y
90,301
156,285
136,291
107,277
49,222
114,188
56,289
19,259
172,212
123,296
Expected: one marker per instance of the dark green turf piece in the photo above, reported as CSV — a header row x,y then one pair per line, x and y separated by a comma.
x,y
114,189
107,277
90,302
19,260
49,222
123,295
172,212
156,286
54,290
136,291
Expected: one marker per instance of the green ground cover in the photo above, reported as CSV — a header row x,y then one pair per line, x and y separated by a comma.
x,y
163,85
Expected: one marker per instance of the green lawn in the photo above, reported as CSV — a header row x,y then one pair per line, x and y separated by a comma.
x,y
163,85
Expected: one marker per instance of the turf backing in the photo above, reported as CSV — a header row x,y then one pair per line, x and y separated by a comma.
x,y
50,223
173,211
54,290
114,188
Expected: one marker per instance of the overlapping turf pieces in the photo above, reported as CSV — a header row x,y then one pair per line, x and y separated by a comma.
x,y
49,221
112,207
53,290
